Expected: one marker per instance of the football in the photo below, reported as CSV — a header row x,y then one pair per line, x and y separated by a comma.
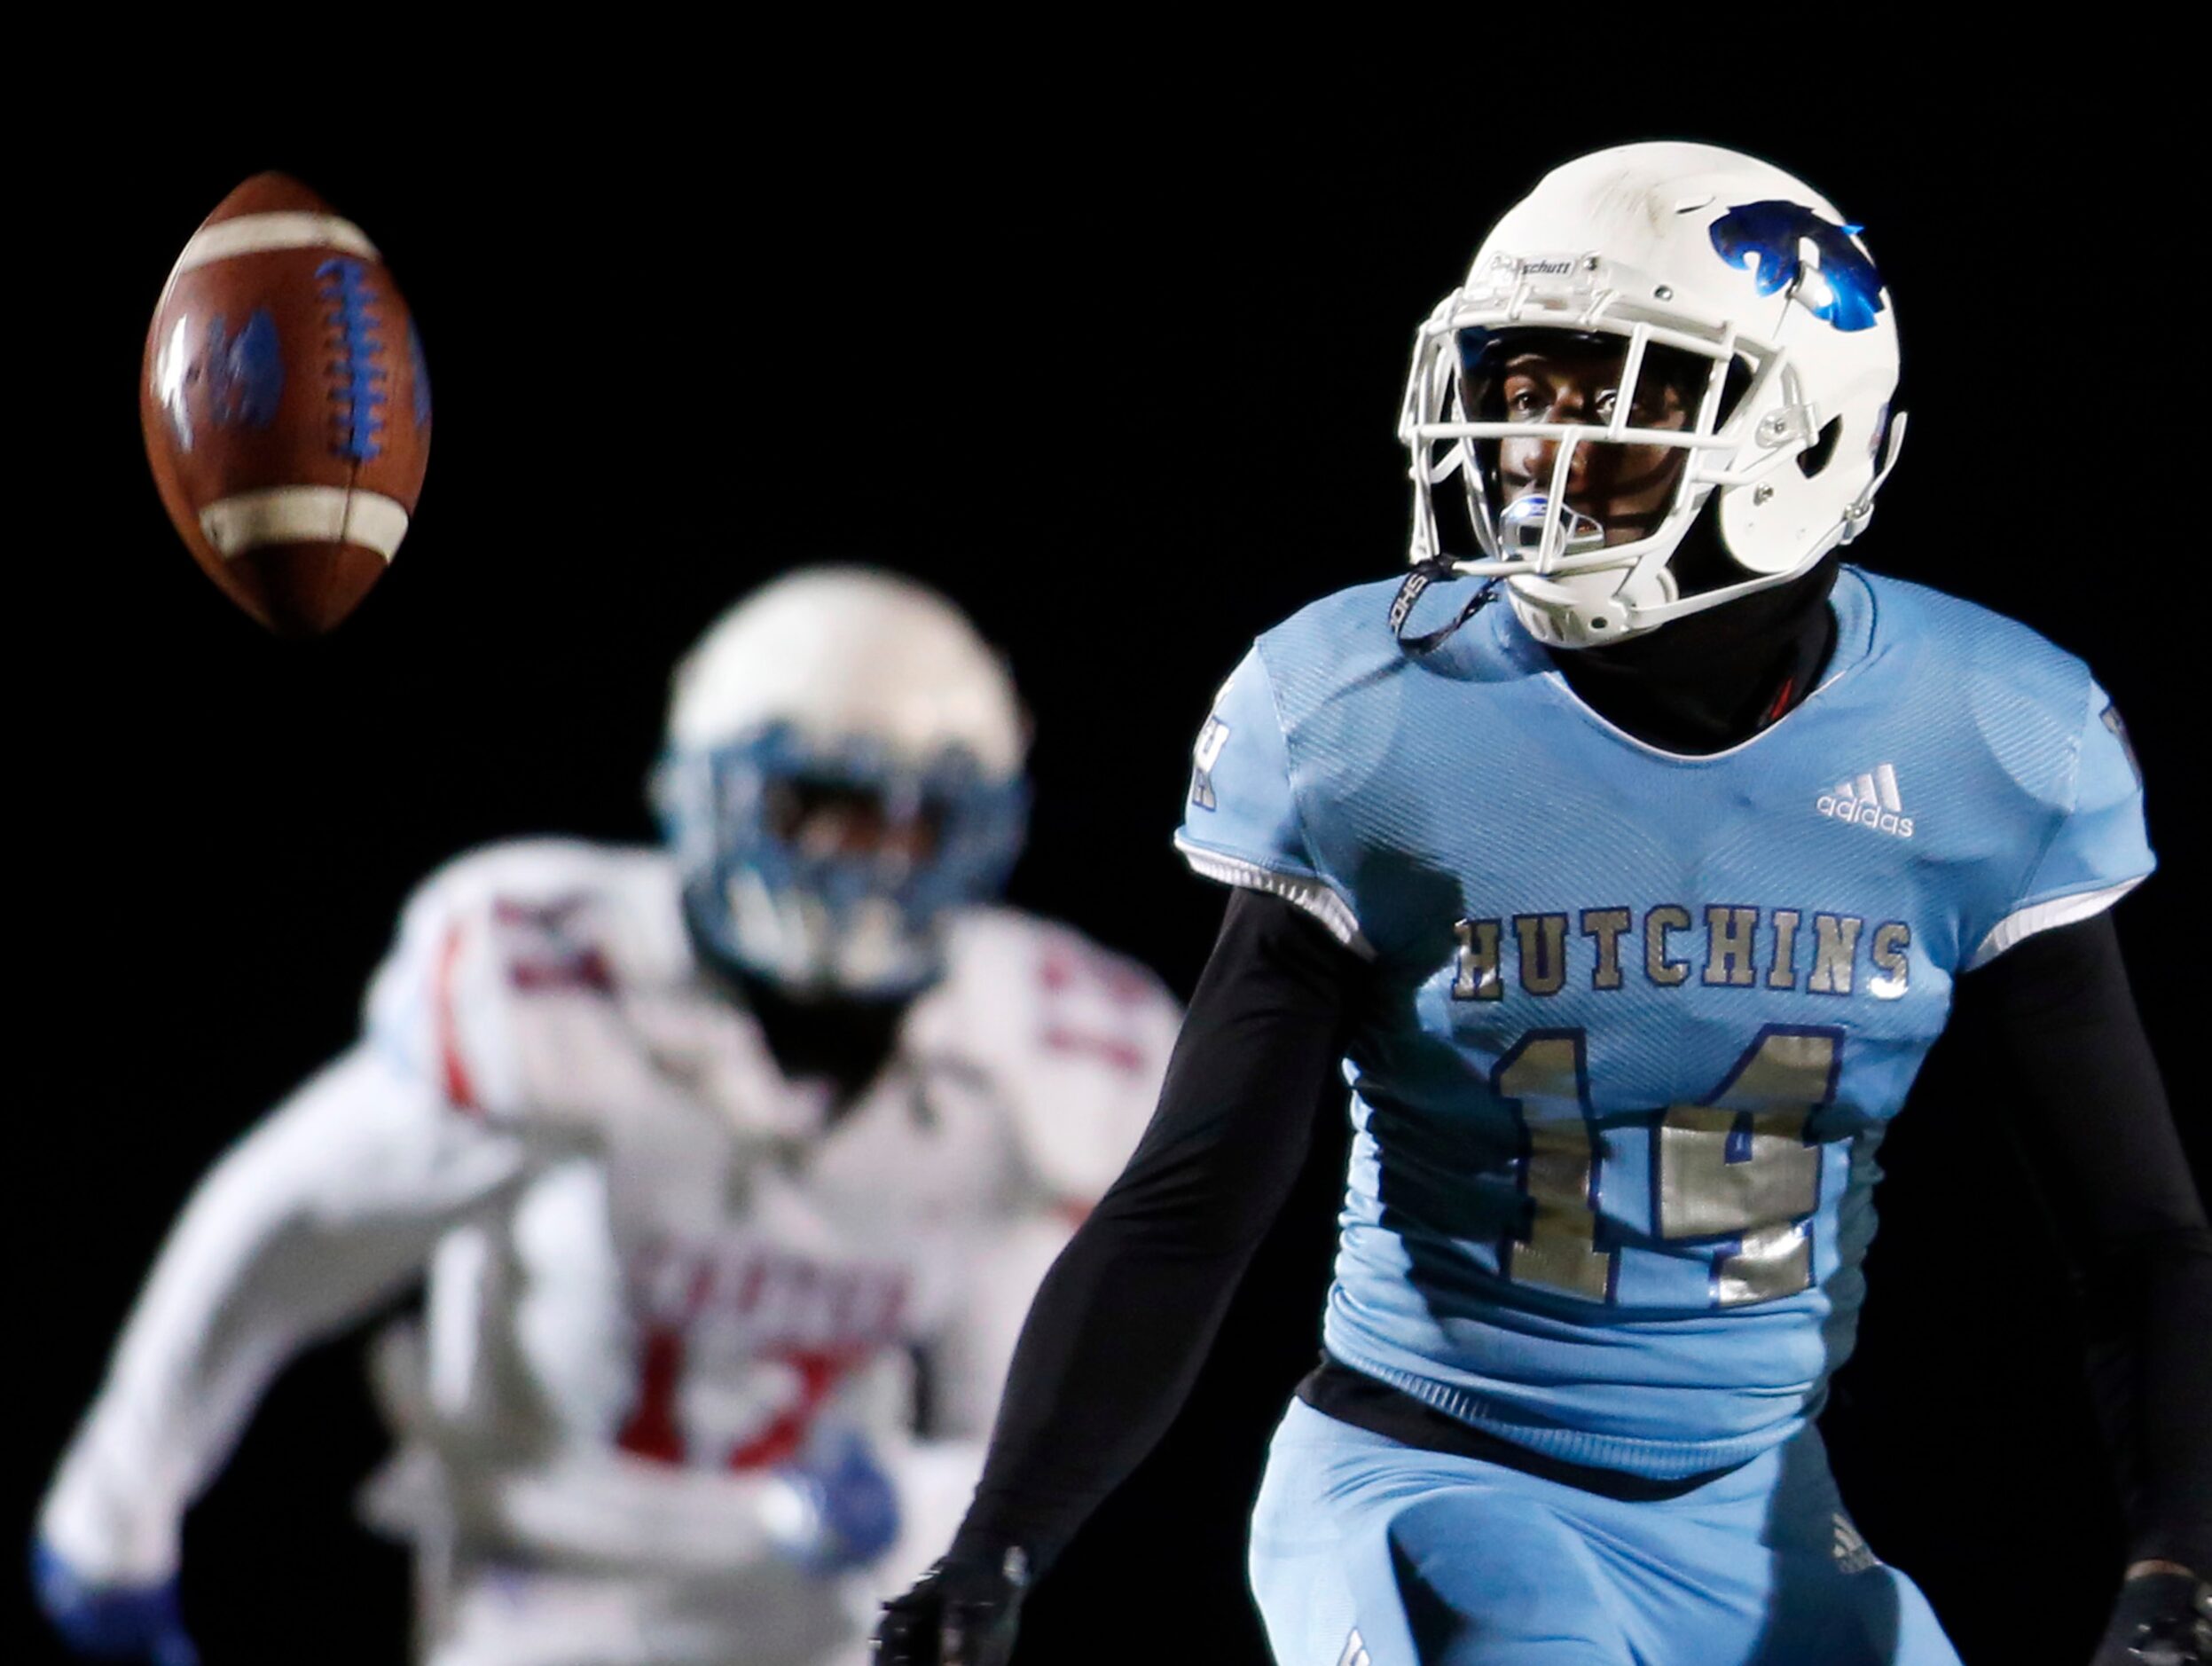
x,y
286,405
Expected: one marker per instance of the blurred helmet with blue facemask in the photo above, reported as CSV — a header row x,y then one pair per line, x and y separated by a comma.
x,y
842,772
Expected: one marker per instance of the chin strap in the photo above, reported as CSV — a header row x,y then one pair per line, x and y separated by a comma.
x,y
1417,582
1861,509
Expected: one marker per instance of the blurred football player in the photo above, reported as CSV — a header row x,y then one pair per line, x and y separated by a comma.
x,y
721,1159
1628,909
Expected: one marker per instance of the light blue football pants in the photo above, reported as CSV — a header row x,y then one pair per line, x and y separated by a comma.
x,y
1425,1559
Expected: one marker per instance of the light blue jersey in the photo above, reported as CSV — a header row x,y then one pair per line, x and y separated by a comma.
x,y
1647,1015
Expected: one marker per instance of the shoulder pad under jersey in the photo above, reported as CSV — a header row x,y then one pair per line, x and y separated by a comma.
x,y
498,988
2068,830
1242,823
1304,719
1074,1038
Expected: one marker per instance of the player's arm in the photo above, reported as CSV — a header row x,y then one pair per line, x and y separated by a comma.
x,y
322,1212
2094,1118
588,1504
1122,1321
2101,1141
329,1206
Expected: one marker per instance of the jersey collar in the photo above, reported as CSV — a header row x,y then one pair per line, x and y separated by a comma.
x,y
1851,600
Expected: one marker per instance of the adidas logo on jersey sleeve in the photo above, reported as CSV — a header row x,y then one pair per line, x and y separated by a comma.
x,y
1868,799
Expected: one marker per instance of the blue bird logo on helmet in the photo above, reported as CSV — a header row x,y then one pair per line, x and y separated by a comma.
x,y
1849,292
843,774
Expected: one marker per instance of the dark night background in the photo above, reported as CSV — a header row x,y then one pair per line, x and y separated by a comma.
x,y
1114,358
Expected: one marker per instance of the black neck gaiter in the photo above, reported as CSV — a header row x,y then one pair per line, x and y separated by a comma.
x,y
1711,680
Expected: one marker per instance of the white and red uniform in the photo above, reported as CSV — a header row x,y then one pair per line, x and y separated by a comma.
x,y
658,1267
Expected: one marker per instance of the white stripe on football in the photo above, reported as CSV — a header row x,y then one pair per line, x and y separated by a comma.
x,y
304,514
258,233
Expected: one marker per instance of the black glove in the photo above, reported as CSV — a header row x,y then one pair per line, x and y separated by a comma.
x,y
2161,1620
963,1612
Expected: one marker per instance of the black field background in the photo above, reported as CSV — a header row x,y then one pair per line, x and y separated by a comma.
x,y
1104,335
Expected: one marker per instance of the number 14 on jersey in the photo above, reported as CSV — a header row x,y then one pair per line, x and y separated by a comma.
x,y
1733,1174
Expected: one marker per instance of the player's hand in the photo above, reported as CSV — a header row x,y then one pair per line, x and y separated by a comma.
x,y
111,1621
836,1509
963,1612
2162,1619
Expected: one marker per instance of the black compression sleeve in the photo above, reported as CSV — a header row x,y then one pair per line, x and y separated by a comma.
x,y
2101,1142
1123,1321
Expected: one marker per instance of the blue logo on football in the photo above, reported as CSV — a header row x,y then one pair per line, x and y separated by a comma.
x,y
245,372
1775,231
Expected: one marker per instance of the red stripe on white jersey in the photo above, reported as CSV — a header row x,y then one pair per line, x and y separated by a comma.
x,y
460,1087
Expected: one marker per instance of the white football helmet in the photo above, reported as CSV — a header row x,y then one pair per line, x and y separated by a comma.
x,y
868,695
1711,277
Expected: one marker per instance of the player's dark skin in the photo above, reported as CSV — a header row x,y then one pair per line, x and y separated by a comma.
x,y
1123,1322
844,1039
1626,488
